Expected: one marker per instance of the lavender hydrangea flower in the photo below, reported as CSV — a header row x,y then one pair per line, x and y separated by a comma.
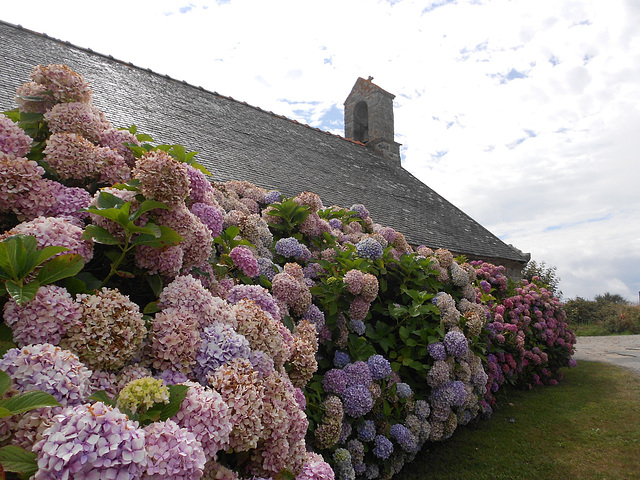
x,y
357,401
437,351
369,248
361,210
383,448
91,441
422,409
341,359
379,367
256,293
366,431
50,369
456,344
220,344
336,223
315,316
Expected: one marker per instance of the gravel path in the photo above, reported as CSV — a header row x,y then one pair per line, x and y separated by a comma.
x,y
623,350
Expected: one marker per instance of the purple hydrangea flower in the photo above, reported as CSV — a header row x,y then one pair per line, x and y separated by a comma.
x,y
212,217
258,294
341,359
336,223
369,248
272,196
437,351
361,210
289,247
334,381
267,268
379,367
357,373
357,401
407,440
456,344
366,431
383,447
422,409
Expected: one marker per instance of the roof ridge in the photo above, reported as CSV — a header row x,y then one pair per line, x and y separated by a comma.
x,y
167,76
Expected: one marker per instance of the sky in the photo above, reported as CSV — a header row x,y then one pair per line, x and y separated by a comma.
x,y
525,114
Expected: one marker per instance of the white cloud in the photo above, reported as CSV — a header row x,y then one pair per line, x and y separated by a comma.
x,y
536,104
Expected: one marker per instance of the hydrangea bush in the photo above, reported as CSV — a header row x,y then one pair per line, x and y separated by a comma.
x,y
189,328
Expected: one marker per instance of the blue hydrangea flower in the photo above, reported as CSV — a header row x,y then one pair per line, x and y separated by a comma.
x,y
358,327
366,431
422,409
379,367
452,394
369,248
220,344
341,359
357,401
403,390
383,448
361,210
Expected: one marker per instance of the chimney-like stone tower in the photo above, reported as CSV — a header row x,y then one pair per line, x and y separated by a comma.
x,y
368,118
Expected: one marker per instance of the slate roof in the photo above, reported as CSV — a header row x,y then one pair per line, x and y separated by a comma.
x,y
237,141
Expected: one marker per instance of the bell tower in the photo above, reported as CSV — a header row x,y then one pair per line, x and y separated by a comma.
x,y
368,118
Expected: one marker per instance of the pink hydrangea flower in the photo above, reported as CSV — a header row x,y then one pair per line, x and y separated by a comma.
x,y
205,414
162,178
173,452
243,259
111,332
45,319
56,231
13,141
77,117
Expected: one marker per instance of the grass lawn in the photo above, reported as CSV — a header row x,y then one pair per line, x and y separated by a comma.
x,y
587,427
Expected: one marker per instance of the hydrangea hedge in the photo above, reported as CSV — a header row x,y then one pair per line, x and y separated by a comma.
x,y
174,327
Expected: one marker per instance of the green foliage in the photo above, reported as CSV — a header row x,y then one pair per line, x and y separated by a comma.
x,y
290,215
547,275
13,458
117,210
610,313
176,151
24,268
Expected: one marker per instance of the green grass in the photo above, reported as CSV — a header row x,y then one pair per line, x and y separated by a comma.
x,y
586,428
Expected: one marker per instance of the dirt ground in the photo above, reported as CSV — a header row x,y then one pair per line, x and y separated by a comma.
x,y
623,350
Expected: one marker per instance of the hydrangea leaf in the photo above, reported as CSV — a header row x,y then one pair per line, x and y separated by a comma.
x,y
22,294
100,235
167,238
177,393
102,396
60,267
28,401
5,382
18,460
148,205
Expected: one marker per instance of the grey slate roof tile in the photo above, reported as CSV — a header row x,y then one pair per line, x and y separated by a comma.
x,y
238,141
